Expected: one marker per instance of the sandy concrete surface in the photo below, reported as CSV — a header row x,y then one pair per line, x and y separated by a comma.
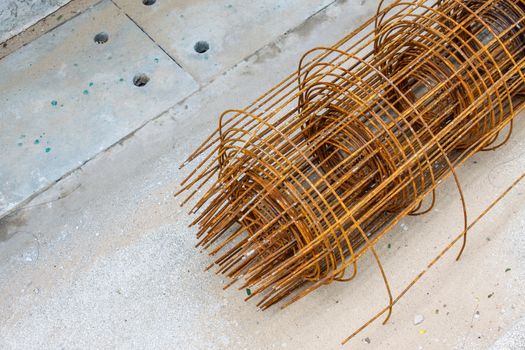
x,y
17,15
104,258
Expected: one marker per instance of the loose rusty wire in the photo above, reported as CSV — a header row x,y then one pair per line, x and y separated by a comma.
x,y
305,180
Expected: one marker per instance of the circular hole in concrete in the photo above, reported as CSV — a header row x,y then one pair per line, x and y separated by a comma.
x,y
149,2
201,46
101,38
140,79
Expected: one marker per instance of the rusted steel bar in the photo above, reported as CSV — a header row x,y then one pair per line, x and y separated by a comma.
x,y
301,183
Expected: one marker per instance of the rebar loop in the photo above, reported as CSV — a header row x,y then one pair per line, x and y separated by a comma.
x,y
301,183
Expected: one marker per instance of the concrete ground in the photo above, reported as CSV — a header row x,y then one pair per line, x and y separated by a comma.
x,y
16,15
95,251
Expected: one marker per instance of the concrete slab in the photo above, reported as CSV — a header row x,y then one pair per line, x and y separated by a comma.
x,y
104,258
58,17
64,98
232,29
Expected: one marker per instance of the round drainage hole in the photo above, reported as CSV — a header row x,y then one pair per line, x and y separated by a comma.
x,y
149,2
140,79
201,46
101,38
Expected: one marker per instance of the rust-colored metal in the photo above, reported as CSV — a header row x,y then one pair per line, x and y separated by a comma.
x,y
301,183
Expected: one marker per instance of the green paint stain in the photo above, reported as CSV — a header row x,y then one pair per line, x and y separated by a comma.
x,y
389,246
248,291
121,79
230,6
22,136
48,149
507,269
59,17
91,84
85,92
54,103
156,60
20,144
36,142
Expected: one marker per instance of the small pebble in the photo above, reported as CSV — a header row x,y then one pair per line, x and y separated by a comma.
x,y
418,319
367,340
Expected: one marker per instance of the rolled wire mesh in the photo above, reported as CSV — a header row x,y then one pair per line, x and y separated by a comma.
x,y
304,181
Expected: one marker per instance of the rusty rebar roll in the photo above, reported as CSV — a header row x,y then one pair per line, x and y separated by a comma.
x,y
300,184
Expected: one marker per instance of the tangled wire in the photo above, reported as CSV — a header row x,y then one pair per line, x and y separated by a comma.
x,y
300,184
